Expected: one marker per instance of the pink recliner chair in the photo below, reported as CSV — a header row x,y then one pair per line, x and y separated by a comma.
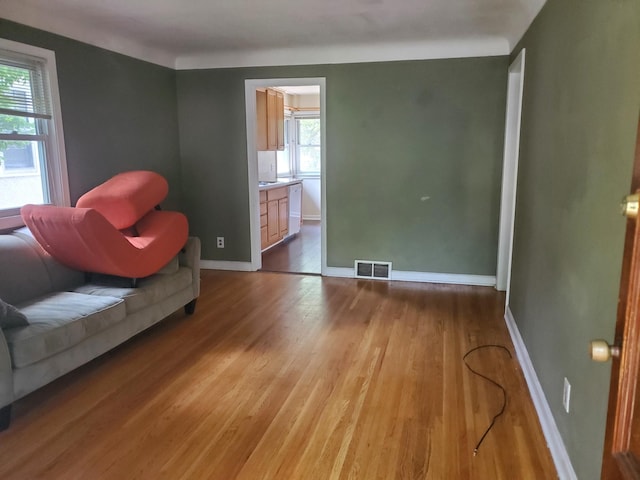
x,y
114,229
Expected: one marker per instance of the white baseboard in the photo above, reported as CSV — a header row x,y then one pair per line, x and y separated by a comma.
x,y
224,265
452,278
311,217
339,272
421,277
549,428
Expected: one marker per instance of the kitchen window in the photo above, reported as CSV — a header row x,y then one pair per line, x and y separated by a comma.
x,y
32,156
307,148
301,154
283,157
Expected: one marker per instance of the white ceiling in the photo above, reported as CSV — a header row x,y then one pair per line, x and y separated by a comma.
x,y
301,90
223,32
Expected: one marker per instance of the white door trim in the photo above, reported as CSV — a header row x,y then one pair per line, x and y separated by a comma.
x,y
513,117
252,160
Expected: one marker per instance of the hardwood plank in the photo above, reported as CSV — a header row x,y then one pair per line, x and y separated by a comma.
x,y
300,254
288,377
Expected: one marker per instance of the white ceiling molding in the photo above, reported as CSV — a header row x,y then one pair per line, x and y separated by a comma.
x,y
27,15
428,50
222,33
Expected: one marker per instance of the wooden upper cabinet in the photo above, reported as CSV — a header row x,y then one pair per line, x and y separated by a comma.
x,y
269,119
261,120
280,120
272,124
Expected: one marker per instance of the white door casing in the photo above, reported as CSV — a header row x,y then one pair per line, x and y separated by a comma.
x,y
515,91
252,160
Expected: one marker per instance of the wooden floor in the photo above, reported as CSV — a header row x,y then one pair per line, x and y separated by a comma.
x,y
291,377
301,254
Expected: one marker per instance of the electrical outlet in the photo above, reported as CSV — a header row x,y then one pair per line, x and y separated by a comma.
x,y
220,242
566,395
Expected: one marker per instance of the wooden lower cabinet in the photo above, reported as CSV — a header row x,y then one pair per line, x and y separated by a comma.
x,y
273,229
264,234
283,216
274,216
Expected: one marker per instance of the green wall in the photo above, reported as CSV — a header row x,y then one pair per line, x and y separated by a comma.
x,y
396,132
580,113
119,113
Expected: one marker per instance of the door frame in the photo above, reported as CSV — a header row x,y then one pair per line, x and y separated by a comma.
x,y
250,86
513,120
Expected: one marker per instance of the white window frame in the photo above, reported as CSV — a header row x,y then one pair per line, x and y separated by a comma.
x,y
56,159
288,121
295,150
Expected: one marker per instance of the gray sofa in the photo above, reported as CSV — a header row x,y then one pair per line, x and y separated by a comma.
x,y
71,317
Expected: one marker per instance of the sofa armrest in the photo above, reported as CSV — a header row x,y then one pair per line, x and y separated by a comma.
x,y
190,257
6,373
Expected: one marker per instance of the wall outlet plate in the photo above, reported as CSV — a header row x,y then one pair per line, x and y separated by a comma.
x,y
220,242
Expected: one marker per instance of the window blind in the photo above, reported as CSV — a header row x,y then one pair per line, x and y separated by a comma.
x,y
22,87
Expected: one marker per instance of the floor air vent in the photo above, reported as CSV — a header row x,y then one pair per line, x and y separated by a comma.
x,y
371,269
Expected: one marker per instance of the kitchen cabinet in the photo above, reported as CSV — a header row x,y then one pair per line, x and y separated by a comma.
x,y
280,120
261,120
283,216
274,214
273,228
272,121
269,119
264,233
264,237
277,205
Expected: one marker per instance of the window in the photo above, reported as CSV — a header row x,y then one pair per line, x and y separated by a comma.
x,y
283,157
301,156
32,159
308,145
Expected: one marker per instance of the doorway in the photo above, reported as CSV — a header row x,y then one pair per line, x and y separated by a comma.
x,y
515,91
287,184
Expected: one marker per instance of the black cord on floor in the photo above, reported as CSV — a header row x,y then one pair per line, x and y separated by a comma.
x,y
504,392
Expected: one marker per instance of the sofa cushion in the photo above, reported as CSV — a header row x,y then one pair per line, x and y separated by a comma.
x,y
61,277
150,290
10,316
171,267
24,275
58,321
28,271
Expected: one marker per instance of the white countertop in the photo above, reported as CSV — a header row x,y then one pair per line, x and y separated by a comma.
x,y
281,182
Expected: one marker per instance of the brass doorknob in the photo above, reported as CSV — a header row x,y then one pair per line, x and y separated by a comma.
x,y
601,351
630,205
